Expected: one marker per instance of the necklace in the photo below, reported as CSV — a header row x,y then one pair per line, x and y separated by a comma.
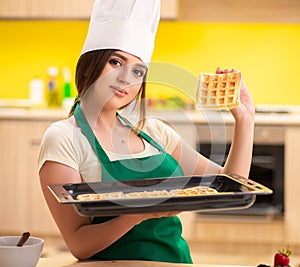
x,y
122,135
125,135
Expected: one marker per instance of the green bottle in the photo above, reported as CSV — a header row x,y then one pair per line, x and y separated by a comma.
x,y
67,99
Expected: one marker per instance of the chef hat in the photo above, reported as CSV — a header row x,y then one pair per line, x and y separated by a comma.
x,y
127,25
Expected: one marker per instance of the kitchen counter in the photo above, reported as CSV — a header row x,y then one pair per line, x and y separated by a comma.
x,y
49,262
173,116
194,126
32,114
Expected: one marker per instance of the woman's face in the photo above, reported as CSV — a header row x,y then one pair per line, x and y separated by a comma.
x,y
120,81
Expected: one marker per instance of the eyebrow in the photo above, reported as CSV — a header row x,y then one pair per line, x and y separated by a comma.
x,y
126,59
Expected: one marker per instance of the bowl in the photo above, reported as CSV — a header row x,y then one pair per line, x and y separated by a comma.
x,y
26,256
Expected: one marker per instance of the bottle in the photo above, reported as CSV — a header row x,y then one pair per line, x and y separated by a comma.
x,y
37,93
67,99
53,95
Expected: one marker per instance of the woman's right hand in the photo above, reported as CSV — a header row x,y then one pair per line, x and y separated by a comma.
x,y
138,218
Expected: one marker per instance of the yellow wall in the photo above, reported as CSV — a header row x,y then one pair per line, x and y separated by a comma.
x,y
267,54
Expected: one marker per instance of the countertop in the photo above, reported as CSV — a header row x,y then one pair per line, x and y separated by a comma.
x,y
49,262
173,116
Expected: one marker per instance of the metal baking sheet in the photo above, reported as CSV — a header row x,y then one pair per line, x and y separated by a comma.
x,y
234,192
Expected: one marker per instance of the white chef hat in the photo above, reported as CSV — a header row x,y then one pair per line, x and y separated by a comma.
x,y
127,25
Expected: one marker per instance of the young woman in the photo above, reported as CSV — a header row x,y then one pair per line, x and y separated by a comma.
x,y
97,144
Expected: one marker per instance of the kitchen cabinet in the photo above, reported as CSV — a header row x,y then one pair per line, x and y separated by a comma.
x,y
55,9
292,184
60,8
266,11
240,231
65,9
22,207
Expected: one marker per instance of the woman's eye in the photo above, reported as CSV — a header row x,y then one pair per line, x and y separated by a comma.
x,y
139,72
115,62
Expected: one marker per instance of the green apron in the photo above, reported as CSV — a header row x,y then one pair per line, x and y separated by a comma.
x,y
157,239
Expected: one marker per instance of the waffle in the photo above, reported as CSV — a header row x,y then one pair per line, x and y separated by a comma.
x,y
190,191
219,90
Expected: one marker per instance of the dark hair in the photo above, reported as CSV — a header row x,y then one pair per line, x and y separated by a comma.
x,y
89,67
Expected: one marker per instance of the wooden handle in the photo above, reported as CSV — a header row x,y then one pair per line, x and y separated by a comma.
x,y
23,239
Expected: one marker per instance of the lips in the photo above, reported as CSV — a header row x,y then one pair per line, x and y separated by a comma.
x,y
118,91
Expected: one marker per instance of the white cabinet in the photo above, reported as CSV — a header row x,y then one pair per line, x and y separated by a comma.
x,y
22,205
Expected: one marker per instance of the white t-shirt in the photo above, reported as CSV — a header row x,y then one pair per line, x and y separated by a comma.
x,y
65,143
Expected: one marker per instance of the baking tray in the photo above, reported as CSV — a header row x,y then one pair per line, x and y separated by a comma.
x,y
234,192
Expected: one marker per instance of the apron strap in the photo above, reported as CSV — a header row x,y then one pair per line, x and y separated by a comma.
x,y
89,134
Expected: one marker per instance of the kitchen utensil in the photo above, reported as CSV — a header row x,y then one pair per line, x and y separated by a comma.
x,y
234,192
23,239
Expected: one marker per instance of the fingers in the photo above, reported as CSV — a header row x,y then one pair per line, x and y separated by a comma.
x,y
163,214
220,71
145,216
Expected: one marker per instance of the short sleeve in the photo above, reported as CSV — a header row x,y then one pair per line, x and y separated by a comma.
x,y
58,145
